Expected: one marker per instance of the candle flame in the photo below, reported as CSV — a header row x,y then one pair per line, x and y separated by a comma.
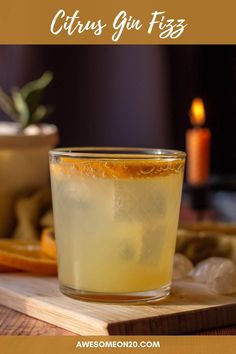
x,y
197,112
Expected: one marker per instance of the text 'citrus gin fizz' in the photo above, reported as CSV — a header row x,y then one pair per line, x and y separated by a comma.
x,y
116,215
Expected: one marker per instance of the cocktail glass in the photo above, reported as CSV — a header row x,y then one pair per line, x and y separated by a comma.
x,y
116,213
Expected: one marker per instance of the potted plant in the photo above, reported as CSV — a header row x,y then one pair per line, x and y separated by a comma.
x,y
24,146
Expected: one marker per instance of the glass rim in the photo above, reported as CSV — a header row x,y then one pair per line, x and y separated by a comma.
x,y
117,153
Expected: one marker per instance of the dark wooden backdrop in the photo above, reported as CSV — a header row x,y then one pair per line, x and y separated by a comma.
x,y
133,95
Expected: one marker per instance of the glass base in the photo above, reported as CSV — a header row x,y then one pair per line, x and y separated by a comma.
x,y
135,297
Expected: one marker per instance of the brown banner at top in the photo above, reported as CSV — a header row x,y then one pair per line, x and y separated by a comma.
x,y
117,22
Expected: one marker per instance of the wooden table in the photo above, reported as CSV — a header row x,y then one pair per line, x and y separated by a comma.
x,y
15,323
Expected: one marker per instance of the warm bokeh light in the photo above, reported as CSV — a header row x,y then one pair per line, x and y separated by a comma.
x,y
197,112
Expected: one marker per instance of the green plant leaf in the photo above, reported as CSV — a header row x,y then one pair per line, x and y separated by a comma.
x,y
38,84
21,108
7,106
41,113
32,92
24,104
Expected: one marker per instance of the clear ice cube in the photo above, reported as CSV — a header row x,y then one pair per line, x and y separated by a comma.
x,y
211,268
152,243
138,200
182,266
128,239
218,273
225,282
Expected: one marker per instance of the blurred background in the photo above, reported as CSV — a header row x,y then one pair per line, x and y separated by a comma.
x,y
133,95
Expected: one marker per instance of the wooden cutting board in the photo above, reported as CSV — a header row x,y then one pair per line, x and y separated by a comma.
x,y
190,308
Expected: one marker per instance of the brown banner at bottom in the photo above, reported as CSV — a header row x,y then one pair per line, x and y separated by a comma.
x,y
121,344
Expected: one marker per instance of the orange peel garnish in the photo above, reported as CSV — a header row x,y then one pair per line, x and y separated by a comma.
x,y
26,256
117,169
48,244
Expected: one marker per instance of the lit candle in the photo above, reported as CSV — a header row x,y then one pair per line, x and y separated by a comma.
x,y
198,145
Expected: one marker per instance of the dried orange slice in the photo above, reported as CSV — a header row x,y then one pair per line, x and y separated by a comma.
x,y
5,269
48,244
26,256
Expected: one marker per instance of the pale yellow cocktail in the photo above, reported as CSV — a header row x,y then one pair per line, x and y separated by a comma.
x,y
116,215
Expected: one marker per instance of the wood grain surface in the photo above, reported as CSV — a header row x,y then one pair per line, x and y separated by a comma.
x,y
191,308
16,324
